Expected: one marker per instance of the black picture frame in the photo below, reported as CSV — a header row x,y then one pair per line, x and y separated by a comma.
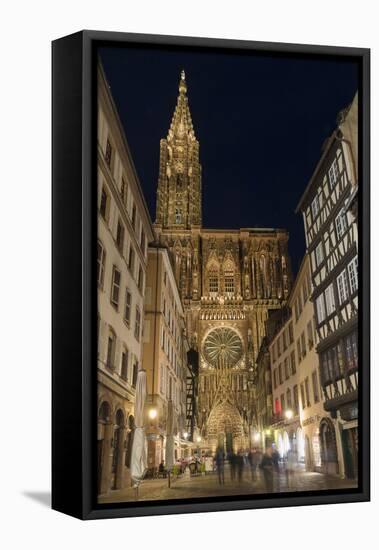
x,y
74,291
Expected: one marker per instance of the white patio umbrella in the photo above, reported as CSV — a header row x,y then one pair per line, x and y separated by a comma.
x,y
169,440
138,462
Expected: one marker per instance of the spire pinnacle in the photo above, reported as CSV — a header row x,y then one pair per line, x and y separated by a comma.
x,y
182,82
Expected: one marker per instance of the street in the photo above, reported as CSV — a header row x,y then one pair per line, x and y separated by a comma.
x,y
207,485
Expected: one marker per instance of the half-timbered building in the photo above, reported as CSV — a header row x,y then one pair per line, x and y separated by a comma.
x,y
331,240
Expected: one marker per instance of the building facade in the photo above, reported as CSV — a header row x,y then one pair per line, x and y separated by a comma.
x,y
165,349
124,230
299,417
331,239
229,281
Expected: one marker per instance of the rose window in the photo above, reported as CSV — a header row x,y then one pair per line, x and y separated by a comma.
x,y
223,347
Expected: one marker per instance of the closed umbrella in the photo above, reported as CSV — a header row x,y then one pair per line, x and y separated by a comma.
x,y
138,462
170,440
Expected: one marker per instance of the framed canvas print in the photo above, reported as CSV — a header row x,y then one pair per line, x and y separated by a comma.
x,y
210,275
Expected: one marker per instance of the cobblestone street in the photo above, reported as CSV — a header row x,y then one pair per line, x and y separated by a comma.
x,y
208,485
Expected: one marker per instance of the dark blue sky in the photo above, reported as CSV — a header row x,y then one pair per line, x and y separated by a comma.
x,y
260,119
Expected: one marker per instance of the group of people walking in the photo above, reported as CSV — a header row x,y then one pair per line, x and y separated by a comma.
x,y
268,463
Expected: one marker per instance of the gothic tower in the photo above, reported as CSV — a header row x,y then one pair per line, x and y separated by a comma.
x,y
179,183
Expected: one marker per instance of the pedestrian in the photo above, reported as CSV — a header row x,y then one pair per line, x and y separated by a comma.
x,y
220,465
267,467
276,460
290,466
233,465
240,465
254,460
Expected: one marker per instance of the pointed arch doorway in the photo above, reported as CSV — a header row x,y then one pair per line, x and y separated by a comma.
x,y
225,428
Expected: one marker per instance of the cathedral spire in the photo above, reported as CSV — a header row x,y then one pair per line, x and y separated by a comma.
x,y
179,183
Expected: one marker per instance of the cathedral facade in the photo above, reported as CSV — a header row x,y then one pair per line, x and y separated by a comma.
x,y
229,281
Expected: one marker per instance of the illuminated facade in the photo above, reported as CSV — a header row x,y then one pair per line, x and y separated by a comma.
x,y
229,281
329,208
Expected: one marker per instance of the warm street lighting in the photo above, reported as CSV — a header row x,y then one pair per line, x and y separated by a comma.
x,y
198,439
288,414
268,432
153,414
257,436
185,435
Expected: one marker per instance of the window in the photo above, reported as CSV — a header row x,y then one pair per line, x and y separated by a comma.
x,y
101,255
104,204
342,287
293,363
341,223
120,234
289,400
298,344
275,378
303,346
286,368
128,306
116,281
161,379
280,374
320,307
143,241
319,253
135,373
213,282
316,392
315,206
124,364
229,284
134,215
310,334
131,259
282,403
329,300
333,173
124,191
140,279
108,153
137,326
165,277
307,391
353,274
351,351
178,216
302,396
296,398
111,350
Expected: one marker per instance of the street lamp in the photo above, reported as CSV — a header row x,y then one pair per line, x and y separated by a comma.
x,y
185,435
288,414
198,439
257,437
153,413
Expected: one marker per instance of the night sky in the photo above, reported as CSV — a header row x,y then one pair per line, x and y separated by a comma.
x,y
261,121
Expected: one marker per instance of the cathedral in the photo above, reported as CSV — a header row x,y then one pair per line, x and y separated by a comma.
x,y
229,281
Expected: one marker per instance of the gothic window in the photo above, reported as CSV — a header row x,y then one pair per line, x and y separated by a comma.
x,y
178,216
213,280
